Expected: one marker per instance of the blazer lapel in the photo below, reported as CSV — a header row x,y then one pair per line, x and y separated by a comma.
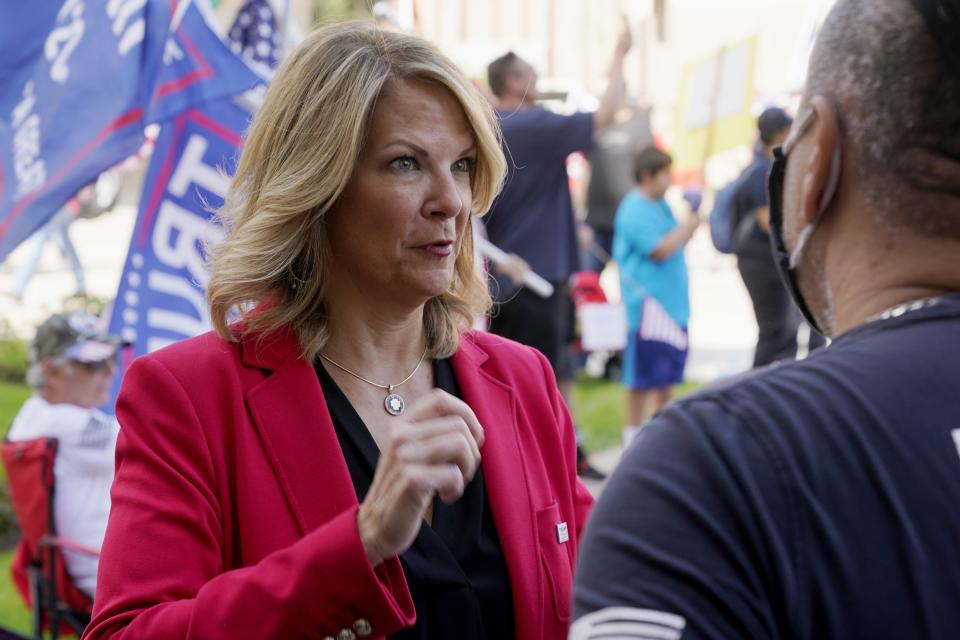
x,y
506,480
291,415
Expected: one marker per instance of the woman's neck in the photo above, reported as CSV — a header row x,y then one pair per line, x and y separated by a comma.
x,y
381,341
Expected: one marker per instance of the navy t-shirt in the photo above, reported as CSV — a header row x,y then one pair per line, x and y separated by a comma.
x,y
533,215
750,195
812,499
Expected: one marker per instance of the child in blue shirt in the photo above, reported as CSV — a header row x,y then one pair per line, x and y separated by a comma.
x,y
648,247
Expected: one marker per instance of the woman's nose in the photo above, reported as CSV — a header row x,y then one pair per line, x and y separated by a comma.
x,y
447,199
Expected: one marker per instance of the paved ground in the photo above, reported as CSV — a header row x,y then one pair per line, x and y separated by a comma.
x,y
604,461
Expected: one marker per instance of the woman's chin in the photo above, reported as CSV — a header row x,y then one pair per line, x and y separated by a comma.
x,y
431,287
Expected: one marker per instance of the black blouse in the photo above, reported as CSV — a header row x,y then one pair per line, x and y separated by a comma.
x,y
455,568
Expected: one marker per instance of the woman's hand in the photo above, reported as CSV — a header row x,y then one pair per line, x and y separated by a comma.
x,y
433,448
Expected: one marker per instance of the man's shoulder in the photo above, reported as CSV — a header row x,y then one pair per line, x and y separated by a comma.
x,y
40,419
776,398
632,201
638,209
753,179
529,120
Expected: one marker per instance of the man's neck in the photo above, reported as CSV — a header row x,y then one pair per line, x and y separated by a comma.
x,y
513,103
904,273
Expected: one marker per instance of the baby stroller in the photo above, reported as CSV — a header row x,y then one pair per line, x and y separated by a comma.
x,y
601,327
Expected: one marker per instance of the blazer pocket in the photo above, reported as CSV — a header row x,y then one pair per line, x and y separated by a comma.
x,y
555,559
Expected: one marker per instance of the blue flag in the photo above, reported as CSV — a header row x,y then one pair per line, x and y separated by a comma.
x,y
161,295
80,80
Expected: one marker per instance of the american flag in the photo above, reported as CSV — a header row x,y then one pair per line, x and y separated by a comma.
x,y
656,324
254,34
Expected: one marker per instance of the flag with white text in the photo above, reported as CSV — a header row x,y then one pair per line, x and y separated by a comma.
x,y
160,299
78,82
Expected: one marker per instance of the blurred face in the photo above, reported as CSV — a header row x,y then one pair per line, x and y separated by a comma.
x,y
82,384
397,228
656,185
778,139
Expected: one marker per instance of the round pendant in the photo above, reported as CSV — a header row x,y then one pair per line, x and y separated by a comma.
x,y
393,404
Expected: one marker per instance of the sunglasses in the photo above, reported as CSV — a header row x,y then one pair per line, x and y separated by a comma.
x,y
98,367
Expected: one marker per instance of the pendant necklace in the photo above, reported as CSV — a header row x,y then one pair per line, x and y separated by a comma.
x,y
394,403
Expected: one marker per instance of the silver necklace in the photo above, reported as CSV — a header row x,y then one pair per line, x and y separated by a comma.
x,y
394,403
908,307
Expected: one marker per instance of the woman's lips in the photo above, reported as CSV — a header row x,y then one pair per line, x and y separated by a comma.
x,y
438,249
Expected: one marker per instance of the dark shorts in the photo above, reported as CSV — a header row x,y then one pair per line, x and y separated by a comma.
x,y
651,364
546,324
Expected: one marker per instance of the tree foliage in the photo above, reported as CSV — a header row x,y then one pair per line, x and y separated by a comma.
x,y
325,10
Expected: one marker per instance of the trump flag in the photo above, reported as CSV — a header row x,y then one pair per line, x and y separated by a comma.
x,y
79,79
161,295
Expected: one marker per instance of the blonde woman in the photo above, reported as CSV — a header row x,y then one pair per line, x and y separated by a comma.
x,y
348,459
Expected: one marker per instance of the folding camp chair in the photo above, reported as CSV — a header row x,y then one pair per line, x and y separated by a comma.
x,y
39,571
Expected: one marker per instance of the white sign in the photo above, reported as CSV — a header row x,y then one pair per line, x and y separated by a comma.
x,y
603,326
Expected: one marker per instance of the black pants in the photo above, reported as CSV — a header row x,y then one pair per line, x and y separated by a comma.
x,y
546,324
777,318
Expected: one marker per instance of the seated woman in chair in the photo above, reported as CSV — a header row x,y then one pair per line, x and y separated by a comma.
x,y
348,459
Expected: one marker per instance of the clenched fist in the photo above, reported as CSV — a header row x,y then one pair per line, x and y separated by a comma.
x,y
434,448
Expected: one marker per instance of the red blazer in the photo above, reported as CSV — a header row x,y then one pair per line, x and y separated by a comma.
x,y
234,515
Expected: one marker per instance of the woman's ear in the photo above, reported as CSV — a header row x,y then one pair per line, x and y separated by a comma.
x,y
819,171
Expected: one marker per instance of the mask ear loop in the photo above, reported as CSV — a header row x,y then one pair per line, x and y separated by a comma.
x,y
832,183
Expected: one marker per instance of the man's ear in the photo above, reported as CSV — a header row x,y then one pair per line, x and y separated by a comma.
x,y
52,371
825,138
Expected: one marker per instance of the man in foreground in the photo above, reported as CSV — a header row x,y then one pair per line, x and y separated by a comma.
x,y
821,498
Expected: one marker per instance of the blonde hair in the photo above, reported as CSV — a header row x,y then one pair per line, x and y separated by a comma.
x,y
300,153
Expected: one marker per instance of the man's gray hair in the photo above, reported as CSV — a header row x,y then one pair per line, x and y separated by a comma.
x,y
35,378
898,99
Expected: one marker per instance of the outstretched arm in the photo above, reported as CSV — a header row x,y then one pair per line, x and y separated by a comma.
x,y
612,98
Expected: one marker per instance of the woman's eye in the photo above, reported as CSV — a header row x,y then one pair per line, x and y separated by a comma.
x,y
464,164
403,163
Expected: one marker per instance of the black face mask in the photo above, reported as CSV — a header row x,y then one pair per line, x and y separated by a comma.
x,y
785,260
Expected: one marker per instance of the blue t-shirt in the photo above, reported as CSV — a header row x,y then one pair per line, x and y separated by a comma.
x,y
533,215
812,499
639,228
